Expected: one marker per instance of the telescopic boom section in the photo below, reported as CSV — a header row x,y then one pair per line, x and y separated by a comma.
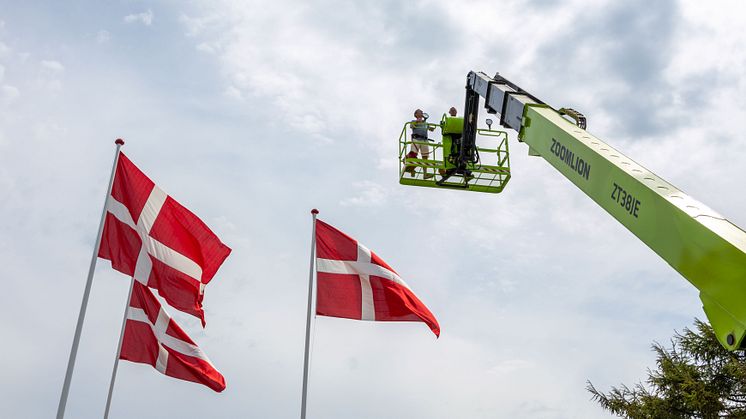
x,y
704,247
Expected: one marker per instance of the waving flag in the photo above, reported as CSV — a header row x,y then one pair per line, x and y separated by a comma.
x,y
354,283
151,237
152,337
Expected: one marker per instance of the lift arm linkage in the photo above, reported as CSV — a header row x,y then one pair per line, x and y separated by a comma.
x,y
704,247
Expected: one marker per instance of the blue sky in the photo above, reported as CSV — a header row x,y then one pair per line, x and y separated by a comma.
x,y
252,113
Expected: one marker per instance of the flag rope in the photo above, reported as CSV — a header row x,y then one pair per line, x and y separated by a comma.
x,y
84,304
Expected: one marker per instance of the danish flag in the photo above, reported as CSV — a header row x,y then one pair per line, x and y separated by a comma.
x,y
354,283
151,237
152,337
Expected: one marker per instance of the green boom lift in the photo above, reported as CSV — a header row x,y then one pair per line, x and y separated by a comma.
x,y
704,247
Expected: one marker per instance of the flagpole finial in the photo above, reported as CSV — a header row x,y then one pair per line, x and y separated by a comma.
x,y
119,141
314,211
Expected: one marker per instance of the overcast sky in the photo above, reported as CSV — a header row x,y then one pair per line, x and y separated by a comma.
x,y
251,113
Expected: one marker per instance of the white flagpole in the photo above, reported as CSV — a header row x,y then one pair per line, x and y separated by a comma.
x,y
81,316
308,317
119,349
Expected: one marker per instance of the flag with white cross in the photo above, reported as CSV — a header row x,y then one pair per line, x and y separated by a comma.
x,y
163,245
354,283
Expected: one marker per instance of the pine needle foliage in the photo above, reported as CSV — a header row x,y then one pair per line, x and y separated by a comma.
x,y
694,378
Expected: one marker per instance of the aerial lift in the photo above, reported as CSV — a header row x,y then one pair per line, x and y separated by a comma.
x,y
704,247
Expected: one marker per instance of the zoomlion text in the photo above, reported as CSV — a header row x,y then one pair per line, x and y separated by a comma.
x,y
577,164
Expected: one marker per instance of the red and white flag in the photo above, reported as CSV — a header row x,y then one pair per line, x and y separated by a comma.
x,y
151,237
354,283
152,337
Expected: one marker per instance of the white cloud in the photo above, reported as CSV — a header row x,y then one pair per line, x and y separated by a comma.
x,y
233,92
299,61
696,53
510,366
368,194
54,66
103,37
206,47
195,25
146,18
4,50
2,73
8,94
49,78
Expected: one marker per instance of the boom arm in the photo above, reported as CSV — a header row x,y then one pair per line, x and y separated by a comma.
x,y
704,247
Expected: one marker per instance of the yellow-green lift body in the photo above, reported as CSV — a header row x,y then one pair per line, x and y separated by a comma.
x,y
704,247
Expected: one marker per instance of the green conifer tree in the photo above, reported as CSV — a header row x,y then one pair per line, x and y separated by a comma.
x,y
695,378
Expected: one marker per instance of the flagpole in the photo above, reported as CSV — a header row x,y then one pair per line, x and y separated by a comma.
x,y
308,317
81,316
119,349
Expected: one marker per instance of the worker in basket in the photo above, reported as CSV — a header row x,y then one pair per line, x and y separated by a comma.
x,y
419,141
452,128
